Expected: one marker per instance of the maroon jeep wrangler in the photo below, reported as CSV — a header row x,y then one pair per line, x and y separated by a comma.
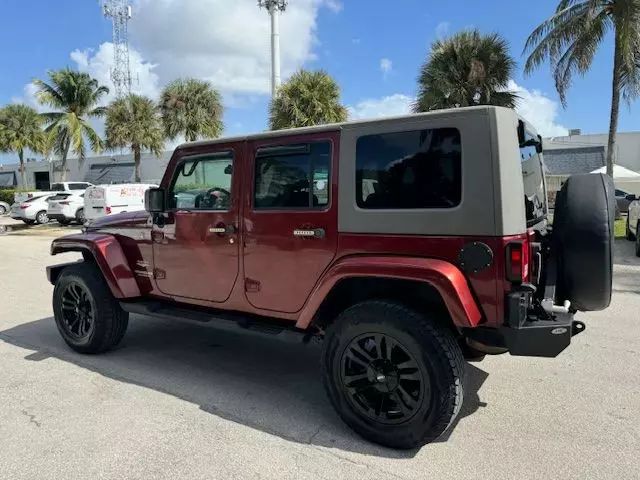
x,y
405,244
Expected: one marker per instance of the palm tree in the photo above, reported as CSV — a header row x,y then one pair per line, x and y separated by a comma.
x,y
134,122
75,96
20,130
570,39
306,99
191,108
466,69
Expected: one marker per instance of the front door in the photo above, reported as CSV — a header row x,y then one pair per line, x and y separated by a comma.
x,y
291,219
195,245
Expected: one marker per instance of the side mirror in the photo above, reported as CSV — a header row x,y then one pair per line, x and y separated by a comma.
x,y
631,197
154,200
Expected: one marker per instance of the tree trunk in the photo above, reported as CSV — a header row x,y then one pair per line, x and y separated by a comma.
x,y
22,177
615,107
136,159
65,153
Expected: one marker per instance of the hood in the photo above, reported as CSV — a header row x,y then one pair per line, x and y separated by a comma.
x,y
119,220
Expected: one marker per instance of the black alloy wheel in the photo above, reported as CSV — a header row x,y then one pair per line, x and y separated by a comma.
x,y
382,378
78,318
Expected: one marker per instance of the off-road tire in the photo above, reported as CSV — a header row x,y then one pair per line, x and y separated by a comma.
x,y
630,236
110,321
42,218
435,350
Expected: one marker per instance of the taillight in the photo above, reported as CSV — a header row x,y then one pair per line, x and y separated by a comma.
x,y
107,210
24,206
517,262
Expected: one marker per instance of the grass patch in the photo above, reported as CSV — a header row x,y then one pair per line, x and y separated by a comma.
x,y
620,229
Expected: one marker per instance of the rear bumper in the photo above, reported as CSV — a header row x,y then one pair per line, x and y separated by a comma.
x,y
59,216
524,334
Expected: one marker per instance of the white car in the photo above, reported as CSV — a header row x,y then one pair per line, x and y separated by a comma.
x,y
66,207
633,223
33,210
101,200
4,208
59,187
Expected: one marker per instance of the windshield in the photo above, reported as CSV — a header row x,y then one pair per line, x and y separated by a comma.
x,y
533,177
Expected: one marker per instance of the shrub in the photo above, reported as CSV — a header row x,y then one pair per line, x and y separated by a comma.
x,y
6,195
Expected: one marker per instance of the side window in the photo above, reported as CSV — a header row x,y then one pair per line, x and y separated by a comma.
x,y
77,186
409,170
203,183
293,176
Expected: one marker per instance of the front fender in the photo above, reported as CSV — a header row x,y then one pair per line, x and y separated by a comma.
x,y
108,255
445,277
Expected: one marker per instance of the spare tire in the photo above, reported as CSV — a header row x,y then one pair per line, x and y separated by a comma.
x,y
583,241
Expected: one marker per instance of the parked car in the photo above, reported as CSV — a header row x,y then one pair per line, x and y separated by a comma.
x,y
623,199
103,200
403,243
77,187
33,210
633,222
66,208
4,208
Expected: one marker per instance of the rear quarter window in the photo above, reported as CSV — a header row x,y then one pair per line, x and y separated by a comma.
x,y
419,169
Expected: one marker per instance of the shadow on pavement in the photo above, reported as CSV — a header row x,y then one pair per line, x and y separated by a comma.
x,y
268,383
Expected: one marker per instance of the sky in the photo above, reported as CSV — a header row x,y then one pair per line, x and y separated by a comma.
x,y
373,48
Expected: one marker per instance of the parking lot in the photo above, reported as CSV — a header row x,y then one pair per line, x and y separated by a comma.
x,y
182,400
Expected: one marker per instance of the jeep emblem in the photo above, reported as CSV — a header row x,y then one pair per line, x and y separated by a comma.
x,y
558,331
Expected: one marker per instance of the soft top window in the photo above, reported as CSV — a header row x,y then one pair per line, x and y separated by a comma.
x,y
416,169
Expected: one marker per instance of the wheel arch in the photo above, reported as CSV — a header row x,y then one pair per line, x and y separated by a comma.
x,y
422,283
106,252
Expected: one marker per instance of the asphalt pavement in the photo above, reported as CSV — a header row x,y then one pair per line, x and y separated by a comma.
x,y
182,400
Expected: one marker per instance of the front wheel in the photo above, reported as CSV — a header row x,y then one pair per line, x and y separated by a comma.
x,y
393,374
630,235
87,315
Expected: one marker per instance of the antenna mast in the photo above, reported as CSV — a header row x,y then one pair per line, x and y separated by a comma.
x,y
120,13
274,7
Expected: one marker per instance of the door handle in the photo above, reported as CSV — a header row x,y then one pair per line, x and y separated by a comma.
x,y
223,229
309,233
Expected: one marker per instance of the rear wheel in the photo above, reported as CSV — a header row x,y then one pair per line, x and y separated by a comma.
x,y
87,315
3,209
394,375
80,216
42,217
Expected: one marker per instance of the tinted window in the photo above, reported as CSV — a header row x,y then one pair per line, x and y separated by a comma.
x,y
293,176
60,196
533,179
57,187
407,170
203,183
77,186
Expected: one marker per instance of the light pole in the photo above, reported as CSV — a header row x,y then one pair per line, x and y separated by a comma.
x,y
274,7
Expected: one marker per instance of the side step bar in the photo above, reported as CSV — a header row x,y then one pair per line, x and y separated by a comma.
x,y
219,318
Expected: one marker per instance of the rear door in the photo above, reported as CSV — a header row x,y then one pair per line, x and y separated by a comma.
x,y
196,248
291,219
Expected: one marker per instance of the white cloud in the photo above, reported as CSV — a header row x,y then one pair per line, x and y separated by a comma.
x,y
442,30
539,110
386,66
97,63
227,43
28,97
397,104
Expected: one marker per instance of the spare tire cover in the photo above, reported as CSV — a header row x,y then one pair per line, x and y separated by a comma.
x,y
583,239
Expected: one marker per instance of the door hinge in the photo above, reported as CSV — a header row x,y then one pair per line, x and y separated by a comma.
x,y
251,285
159,274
